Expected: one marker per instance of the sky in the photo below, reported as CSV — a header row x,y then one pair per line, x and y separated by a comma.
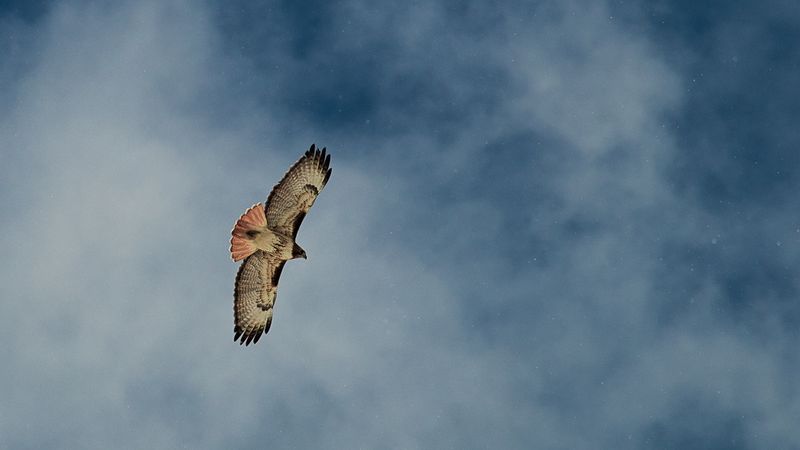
x,y
550,224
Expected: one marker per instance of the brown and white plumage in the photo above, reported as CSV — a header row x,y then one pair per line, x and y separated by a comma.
x,y
264,238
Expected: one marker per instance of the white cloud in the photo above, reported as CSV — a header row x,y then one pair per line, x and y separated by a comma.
x,y
117,322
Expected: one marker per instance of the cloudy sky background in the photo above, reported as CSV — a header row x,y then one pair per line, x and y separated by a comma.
x,y
549,225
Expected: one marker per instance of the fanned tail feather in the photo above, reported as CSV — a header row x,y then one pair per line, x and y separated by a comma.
x,y
249,224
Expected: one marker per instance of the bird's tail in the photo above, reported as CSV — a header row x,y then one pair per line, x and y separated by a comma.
x,y
246,229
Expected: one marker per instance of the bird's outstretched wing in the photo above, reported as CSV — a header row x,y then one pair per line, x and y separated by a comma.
x,y
254,296
291,199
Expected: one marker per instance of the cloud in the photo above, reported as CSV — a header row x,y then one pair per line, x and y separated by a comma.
x,y
504,257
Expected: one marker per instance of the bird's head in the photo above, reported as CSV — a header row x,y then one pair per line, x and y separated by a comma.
x,y
298,252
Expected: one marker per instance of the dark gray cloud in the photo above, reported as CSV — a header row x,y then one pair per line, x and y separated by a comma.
x,y
553,224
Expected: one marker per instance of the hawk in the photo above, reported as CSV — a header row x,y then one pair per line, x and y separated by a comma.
x,y
264,237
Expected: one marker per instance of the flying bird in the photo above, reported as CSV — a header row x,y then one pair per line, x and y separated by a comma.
x,y
264,237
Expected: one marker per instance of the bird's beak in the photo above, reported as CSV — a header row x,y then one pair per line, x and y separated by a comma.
x,y
304,256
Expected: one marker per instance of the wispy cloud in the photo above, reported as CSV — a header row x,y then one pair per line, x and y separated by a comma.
x,y
506,255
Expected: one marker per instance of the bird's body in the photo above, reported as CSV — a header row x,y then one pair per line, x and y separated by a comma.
x,y
264,237
277,244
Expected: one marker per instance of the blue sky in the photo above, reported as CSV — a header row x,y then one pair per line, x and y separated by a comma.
x,y
550,224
